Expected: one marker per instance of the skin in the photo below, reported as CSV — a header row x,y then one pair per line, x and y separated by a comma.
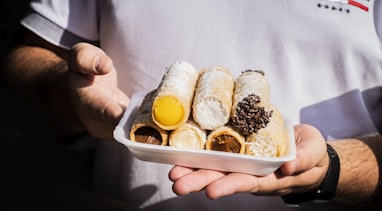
x,y
357,185
78,87
305,172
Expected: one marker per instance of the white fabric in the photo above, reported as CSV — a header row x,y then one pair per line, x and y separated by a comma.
x,y
309,53
79,17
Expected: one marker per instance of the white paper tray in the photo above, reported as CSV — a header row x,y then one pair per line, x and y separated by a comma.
x,y
216,160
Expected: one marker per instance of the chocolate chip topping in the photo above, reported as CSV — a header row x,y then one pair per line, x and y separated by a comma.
x,y
250,117
148,135
257,71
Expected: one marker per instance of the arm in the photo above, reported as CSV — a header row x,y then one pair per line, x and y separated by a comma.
x,y
77,88
360,170
358,182
32,69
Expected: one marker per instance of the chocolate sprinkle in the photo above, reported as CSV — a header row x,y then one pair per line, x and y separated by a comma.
x,y
256,71
250,117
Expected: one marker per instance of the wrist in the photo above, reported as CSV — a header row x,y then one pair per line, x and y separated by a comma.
x,y
326,190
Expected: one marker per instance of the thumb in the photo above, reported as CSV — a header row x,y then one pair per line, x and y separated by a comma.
x,y
289,168
113,109
310,150
88,59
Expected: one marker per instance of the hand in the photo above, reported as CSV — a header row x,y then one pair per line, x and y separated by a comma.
x,y
96,98
304,173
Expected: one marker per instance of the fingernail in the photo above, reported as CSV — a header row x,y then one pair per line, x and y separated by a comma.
x,y
99,64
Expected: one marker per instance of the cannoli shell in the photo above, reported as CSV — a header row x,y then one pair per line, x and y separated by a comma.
x,y
213,98
189,135
226,139
143,124
179,83
251,82
251,103
269,141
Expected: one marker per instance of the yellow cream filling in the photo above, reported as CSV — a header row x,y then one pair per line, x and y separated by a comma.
x,y
168,110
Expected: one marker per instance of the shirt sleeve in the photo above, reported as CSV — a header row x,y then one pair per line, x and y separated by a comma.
x,y
65,22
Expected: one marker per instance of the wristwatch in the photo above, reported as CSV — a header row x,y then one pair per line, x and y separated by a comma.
x,y
326,191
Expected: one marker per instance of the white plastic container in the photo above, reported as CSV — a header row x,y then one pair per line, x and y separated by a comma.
x,y
216,160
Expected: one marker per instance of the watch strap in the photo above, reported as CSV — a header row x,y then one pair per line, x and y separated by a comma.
x,y
326,191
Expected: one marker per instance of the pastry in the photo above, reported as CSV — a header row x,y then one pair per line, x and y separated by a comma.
x,y
226,139
271,140
173,98
188,135
251,104
144,129
213,98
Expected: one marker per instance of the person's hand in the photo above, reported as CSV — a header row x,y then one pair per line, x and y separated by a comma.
x,y
302,174
94,93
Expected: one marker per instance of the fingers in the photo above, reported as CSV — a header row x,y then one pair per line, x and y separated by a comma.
x,y
232,183
101,111
289,168
113,110
178,172
310,151
187,180
98,101
273,185
88,59
218,184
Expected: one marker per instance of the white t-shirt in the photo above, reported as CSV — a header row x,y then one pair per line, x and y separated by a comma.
x,y
323,60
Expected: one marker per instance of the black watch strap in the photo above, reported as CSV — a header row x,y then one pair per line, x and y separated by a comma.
x,y
326,191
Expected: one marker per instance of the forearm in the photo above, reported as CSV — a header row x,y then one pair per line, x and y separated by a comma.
x,y
360,172
37,75
29,70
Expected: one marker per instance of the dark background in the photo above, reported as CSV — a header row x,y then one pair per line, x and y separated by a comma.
x,y
40,170
11,12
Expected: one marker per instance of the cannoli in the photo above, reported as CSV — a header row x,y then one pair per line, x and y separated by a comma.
x,y
226,139
188,135
251,104
270,141
144,129
173,99
213,98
